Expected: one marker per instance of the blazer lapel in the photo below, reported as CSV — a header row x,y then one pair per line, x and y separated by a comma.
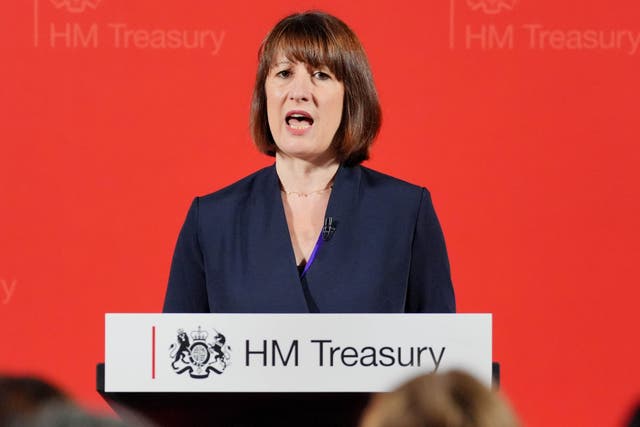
x,y
321,285
274,268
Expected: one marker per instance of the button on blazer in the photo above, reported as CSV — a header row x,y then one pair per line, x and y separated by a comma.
x,y
386,254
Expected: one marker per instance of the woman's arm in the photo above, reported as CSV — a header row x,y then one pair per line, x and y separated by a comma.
x,y
430,289
187,290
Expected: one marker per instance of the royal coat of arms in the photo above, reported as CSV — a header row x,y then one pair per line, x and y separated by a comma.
x,y
199,356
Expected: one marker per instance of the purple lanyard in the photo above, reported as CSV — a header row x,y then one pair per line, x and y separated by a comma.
x,y
313,255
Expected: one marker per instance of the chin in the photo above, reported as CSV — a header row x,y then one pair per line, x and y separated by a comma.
x,y
298,150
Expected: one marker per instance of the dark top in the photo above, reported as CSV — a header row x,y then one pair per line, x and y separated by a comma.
x,y
386,255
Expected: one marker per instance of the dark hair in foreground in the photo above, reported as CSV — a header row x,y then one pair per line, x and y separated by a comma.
x,y
634,421
454,399
25,395
65,415
318,39
33,402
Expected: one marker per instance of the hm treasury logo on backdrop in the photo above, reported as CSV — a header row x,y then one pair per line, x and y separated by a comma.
x,y
502,25
67,24
75,6
199,357
491,7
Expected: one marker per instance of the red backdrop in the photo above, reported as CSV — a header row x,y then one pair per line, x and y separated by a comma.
x,y
520,116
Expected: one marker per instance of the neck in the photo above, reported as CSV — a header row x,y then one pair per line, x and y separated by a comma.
x,y
301,176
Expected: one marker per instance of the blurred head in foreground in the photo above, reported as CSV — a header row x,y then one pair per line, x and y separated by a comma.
x,y
33,402
65,414
634,421
453,399
21,396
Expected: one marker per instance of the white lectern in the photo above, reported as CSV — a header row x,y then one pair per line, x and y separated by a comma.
x,y
284,369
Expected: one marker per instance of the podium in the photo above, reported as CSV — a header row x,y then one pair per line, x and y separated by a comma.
x,y
278,369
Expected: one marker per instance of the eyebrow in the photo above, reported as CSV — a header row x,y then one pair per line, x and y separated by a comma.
x,y
287,62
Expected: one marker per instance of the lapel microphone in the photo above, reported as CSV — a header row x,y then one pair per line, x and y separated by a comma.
x,y
328,229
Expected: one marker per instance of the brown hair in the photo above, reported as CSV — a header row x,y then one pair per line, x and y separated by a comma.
x,y
319,39
454,399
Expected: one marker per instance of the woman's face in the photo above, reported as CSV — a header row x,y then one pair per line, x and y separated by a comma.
x,y
304,109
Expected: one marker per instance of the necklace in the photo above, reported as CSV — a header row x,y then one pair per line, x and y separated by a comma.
x,y
301,194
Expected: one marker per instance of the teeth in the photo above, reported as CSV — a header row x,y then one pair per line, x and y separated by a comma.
x,y
302,121
298,116
298,127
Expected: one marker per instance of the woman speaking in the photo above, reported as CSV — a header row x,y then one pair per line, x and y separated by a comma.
x,y
316,232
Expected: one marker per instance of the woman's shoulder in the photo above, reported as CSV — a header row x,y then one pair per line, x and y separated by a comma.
x,y
384,191
388,184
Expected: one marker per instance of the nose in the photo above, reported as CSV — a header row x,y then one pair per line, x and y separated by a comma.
x,y
301,87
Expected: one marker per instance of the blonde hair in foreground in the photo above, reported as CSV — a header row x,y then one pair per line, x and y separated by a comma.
x,y
454,399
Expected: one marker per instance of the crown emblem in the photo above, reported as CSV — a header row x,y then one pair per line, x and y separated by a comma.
x,y
199,335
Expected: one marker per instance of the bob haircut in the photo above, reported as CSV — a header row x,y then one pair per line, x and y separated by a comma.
x,y
318,39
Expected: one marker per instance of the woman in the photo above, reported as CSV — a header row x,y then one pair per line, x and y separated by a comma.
x,y
316,232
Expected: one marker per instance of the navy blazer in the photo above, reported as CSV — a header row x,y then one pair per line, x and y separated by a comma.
x,y
386,255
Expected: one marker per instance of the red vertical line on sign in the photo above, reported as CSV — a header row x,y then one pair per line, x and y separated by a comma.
x,y
451,24
153,352
35,23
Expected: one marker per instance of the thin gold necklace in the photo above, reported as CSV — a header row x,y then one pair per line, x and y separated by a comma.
x,y
301,194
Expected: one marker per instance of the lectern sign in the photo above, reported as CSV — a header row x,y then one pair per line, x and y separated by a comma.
x,y
289,352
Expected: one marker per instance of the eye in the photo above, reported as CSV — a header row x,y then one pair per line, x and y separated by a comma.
x,y
283,74
321,75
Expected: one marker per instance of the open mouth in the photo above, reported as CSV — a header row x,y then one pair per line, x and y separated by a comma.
x,y
299,120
